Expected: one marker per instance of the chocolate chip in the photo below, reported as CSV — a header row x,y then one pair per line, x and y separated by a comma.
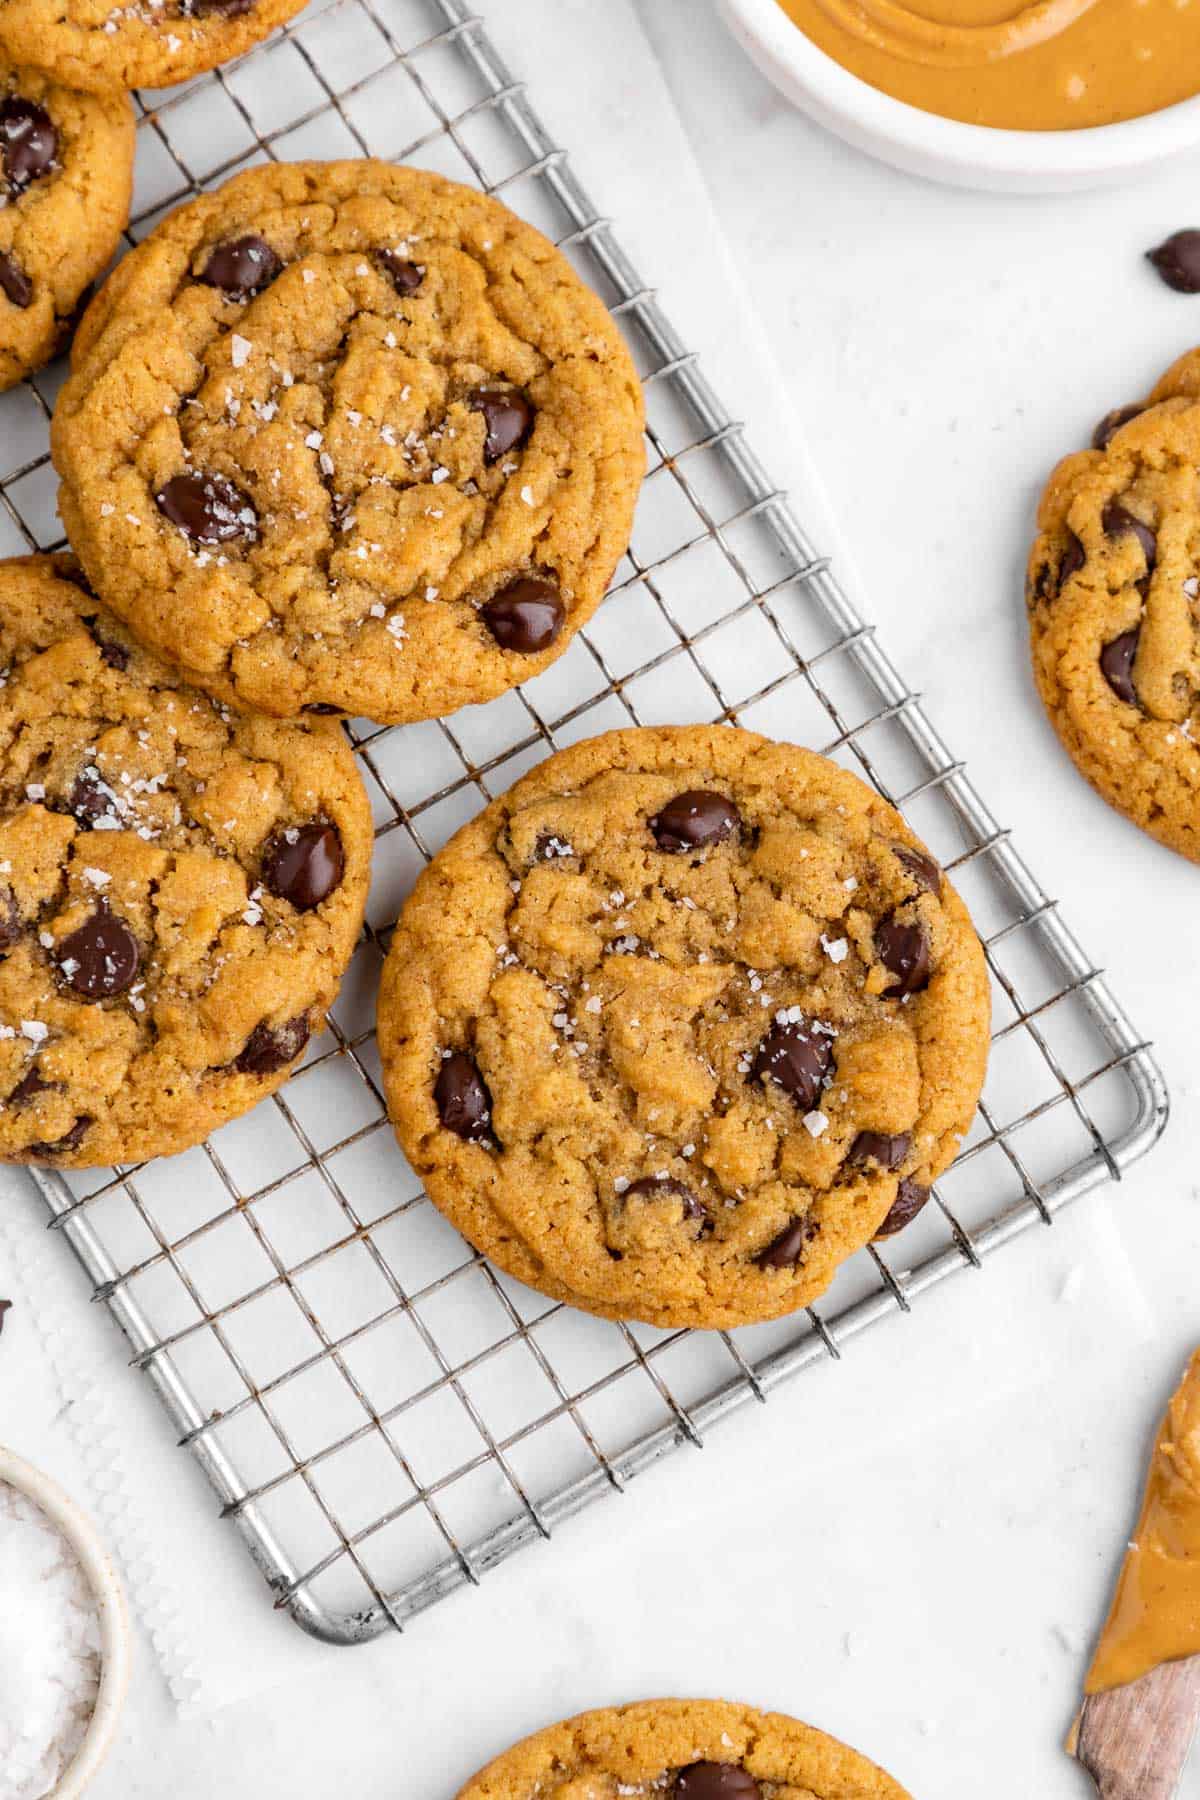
x,y
905,950
14,282
797,1058
1177,260
653,1187
1071,560
115,655
405,276
785,1251
90,799
242,267
508,416
62,1146
462,1099
715,1781
101,958
877,1147
28,142
28,1088
694,820
925,872
526,616
218,9
1117,520
910,1198
1111,423
1116,664
5,1309
206,508
304,864
11,929
324,708
271,1047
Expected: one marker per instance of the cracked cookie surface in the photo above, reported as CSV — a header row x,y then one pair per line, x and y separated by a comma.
x,y
679,1023
681,1750
352,437
104,46
1113,597
180,888
66,174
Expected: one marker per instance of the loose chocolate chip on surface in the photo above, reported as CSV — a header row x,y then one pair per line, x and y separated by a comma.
x,y
1116,664
905,950
1111,423
910,1198
785,1251
99,959
405,276
70,1140
1117,520
462,1099
667,1188
271,1047
925,872
1177,260
206,508
715,1781
526,616
14,282
877,1147
508,416
242,267
5,1309
304,864
797,1058
90,799
694,820
28,142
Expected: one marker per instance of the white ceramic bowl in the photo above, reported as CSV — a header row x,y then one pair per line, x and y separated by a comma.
x,y
975,156
102,1578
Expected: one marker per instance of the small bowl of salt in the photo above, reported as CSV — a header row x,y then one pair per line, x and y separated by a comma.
x,y
64,1640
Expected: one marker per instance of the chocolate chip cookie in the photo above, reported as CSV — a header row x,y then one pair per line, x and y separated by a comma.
x,y
1114,608
66,173
180,889
681,1022
351,437
681,1750
102,46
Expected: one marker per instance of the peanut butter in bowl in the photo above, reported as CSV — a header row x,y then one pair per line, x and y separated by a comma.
x,y
1052,65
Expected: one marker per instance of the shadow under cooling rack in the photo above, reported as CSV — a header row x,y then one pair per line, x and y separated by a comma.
x,y
383,1415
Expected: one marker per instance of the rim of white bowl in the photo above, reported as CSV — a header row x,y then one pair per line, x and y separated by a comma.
x,y
101,1575
925,141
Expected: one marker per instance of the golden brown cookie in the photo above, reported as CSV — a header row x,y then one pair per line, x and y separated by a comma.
x,y
1114,608
102,46
66,173
349,436
180,889
681,1750
680,1022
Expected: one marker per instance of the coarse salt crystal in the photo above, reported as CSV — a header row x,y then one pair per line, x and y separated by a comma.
x,y
815,1123
239,350
837,949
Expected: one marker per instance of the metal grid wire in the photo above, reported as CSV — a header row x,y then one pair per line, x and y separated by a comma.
x,y
382,1413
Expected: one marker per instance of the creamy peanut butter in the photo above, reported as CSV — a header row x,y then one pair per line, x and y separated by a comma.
x,y
1155,1616
1048,66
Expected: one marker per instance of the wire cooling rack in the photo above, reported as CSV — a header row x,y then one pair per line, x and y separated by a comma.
x,y
383,1414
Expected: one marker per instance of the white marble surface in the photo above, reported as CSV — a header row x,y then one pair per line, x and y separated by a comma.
x,y
912,1552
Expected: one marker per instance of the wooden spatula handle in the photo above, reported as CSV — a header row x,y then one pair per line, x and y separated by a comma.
x,y
1133,1741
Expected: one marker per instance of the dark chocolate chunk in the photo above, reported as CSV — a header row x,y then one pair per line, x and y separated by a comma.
x,y
271,1047
1117,520
100,958
5,1309
508,416
925,872
324,708
14,282
11,928
1111,423
905,950
241,267
1177,260
715,1781
462,1099
206,508
91,798
304,864
70,1140
526,616
218,9
785,1251
877,1147
1116,664
29,1087
910,1198
405,276
653,1187
694,820
28,142
797,1058
114,654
